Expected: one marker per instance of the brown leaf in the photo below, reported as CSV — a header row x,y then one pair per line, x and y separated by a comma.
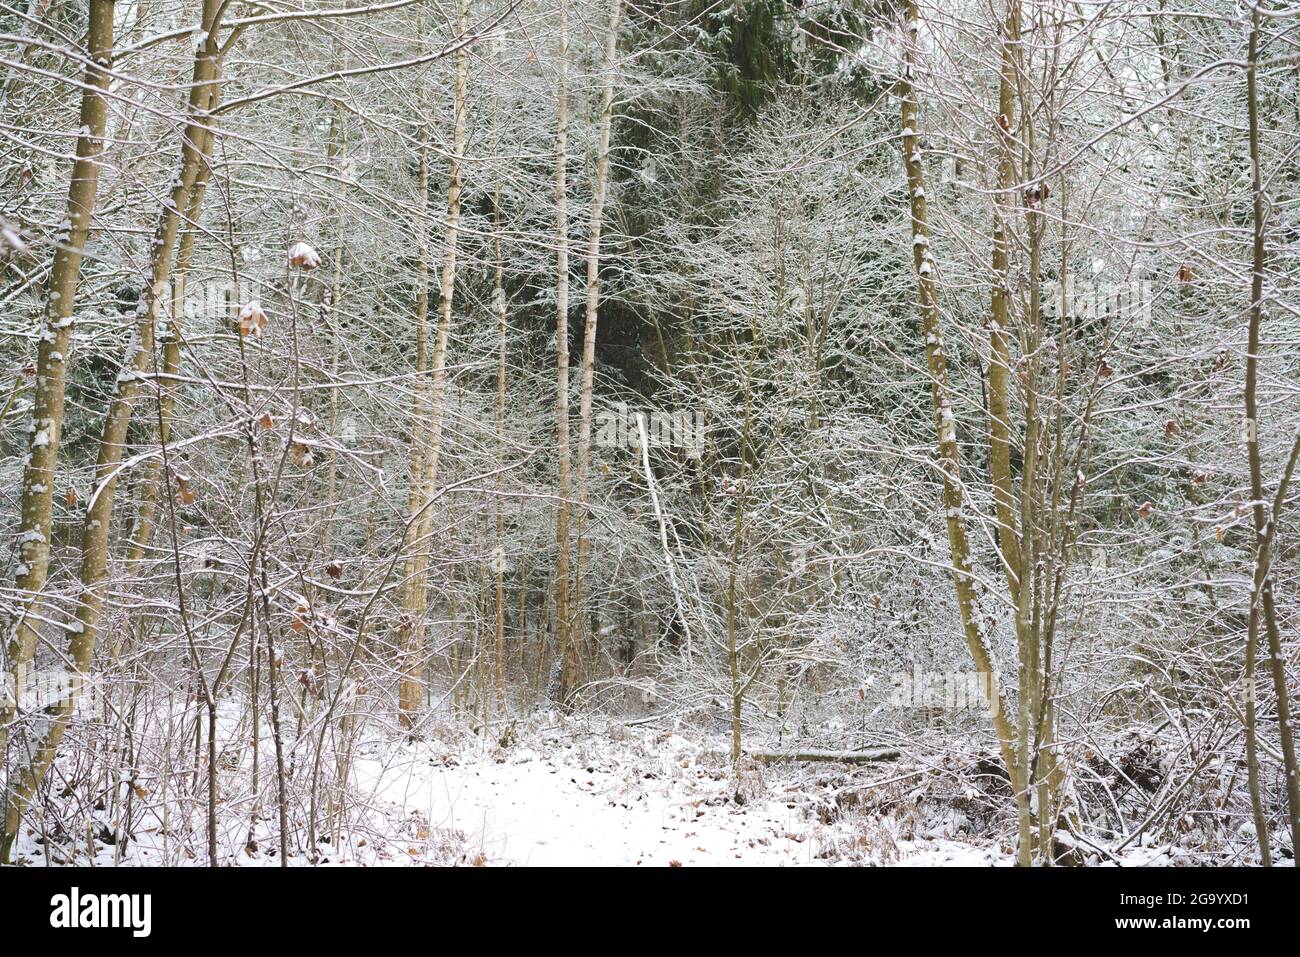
x,y
252,319
308,680
1037,194
302,256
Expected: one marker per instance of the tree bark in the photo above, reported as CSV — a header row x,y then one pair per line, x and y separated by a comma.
x,y
412,689
1261,596
569,674
1000,358
944,419
94,546
599,191
52,352
841,757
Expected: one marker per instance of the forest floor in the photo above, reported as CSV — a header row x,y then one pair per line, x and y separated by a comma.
x,y
567,792
652,799
603,794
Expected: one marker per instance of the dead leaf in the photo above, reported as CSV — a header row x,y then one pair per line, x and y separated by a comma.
x,y
252,319
303,256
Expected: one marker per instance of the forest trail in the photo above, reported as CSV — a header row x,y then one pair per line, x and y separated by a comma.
x,y
584,807
666,800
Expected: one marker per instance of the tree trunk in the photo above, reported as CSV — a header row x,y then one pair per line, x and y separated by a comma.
x,y
568,648
411,627
944,419
599,190
1000,358
499,306
1261,597
94,547
412,689
52,353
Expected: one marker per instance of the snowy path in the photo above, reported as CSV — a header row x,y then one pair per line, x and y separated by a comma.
x,y
572,809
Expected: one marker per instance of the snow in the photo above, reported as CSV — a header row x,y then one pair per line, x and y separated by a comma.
x,y
11,238
564,811
557,791
591,797
565,794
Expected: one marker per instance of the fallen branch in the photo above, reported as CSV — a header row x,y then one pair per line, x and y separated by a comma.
x,y
845,757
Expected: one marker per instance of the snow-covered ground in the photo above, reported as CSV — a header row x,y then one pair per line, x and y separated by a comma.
x,y
651,800
560,792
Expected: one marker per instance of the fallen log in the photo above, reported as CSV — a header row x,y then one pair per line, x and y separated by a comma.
x,y
844,757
